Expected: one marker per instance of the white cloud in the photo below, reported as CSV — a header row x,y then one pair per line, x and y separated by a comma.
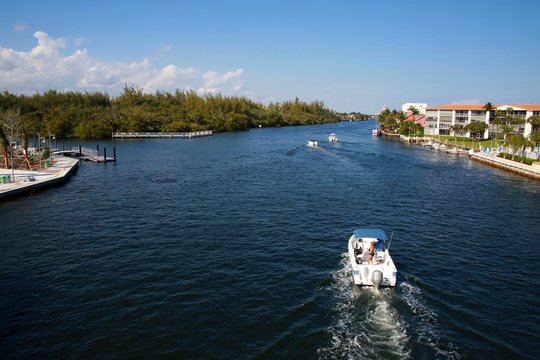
x,y
19,27
46,67
214,82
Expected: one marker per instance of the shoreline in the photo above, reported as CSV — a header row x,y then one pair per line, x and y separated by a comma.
x,y
491,159
530,171
27,181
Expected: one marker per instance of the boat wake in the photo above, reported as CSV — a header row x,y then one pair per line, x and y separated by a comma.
x,y
366,325
425,322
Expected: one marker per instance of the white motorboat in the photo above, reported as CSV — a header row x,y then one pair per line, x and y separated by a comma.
x,y
312,143
371,262
375,132
439,146
332,137
428,143
457,151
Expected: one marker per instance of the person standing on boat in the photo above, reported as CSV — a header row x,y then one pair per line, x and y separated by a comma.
x,y
371,252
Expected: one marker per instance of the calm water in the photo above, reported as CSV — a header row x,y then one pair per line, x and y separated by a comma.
x,y
231,247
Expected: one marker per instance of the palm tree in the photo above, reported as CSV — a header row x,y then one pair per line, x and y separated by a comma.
x,y
414,111
456,128
506,130
476,128
518,142
498,121
534,136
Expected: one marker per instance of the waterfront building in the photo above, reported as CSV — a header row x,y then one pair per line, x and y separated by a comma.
x,y
439,119
421,107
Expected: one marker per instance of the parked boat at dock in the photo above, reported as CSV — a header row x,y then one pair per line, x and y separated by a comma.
x,y
370,258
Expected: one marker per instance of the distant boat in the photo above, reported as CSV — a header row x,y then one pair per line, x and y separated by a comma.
x,y
312,143
438,146
370,259
332,137
428,143
375,132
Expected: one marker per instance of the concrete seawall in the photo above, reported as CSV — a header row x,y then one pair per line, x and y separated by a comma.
x,y
27,181
530,171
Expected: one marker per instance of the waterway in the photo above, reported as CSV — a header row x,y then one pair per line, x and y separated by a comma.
x,y
231,247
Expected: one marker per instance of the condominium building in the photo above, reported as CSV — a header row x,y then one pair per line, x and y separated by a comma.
x,y
421,107
440,119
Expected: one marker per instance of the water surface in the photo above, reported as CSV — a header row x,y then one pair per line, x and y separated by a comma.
x,y
231,247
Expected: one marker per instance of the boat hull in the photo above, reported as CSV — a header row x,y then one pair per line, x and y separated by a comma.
x,y
363,272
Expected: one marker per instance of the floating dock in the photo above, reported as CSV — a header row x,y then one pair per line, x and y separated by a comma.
x,y
88,154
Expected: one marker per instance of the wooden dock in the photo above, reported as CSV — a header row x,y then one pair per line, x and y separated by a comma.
x,y
87,154
96,159
160,135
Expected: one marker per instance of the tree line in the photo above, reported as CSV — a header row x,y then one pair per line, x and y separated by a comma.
x,y
92,115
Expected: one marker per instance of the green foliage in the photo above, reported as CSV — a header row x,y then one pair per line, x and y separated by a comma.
x,y
476,128
409,128
390,120
46,152
96,115
517,158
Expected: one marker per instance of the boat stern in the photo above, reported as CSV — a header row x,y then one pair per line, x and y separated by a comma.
x,y
369,275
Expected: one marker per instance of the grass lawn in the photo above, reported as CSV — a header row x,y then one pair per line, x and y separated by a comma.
x,y
468,142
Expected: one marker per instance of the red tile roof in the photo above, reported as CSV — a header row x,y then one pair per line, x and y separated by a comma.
x,y
535,107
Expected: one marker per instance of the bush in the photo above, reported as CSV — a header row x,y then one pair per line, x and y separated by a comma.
x,y
46,153
517,158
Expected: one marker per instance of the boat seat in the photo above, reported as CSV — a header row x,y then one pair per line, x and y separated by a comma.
x,y
379,257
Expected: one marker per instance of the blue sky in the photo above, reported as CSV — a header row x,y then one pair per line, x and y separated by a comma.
x,y
353,55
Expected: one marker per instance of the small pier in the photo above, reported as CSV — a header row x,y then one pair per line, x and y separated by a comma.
x,y
92,155
160,135
87,154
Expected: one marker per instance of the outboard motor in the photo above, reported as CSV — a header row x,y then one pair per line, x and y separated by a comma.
x,y
377,278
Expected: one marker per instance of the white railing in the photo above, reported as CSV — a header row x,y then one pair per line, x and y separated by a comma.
x,y
85,151
160,135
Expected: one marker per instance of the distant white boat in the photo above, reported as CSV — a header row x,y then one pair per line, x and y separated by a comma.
x,y
375,132
370,259
438,146
457,151
332,137
312,143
